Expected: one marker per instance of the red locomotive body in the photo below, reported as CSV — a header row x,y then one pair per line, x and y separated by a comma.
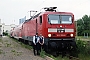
x,y
58,29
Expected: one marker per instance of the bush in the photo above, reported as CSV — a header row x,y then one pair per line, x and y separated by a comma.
x,y
82,47
42,53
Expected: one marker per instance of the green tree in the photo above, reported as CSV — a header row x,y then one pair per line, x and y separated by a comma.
x,y
83,25
80,26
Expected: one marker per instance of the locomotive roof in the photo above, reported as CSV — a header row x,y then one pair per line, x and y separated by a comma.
x,y
33,17
48,12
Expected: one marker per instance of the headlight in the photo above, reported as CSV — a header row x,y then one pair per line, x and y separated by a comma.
x,y
49,35
60,26
71,35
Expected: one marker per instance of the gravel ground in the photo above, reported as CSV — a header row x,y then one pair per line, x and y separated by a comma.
x,y
11,50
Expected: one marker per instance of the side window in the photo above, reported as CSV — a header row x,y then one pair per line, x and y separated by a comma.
x,y
40,19
22,26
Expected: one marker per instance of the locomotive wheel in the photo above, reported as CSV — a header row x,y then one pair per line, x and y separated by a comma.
x,y
22,41
29,42
26,41
47,50
74,51
19,39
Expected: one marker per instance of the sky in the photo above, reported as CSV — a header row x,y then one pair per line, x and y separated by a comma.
x,y
13,10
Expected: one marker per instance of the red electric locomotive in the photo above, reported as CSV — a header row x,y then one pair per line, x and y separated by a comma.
x,y
58,29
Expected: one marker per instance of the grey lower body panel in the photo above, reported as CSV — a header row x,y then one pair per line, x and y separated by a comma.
x,y
29,38
59,39
46,40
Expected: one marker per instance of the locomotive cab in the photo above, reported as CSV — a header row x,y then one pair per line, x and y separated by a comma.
x,y
58,29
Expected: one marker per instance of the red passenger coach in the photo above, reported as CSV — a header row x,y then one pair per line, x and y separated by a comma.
x,y
58,29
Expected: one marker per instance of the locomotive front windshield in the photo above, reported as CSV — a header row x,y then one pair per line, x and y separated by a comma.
x,y
59,19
